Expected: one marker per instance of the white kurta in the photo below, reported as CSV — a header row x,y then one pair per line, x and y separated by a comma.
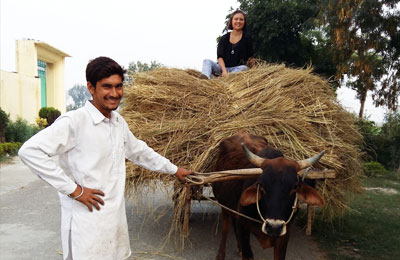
x,y
92,151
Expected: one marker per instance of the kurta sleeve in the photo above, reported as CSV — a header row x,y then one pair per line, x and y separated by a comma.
x,y
142,155
36,153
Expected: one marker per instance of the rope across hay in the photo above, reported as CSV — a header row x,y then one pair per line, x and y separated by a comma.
x,y
184,118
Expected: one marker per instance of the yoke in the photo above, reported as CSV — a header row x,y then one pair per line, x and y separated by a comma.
x,y
195,184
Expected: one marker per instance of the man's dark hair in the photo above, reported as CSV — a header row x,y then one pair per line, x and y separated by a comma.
x,y
102,67
230,27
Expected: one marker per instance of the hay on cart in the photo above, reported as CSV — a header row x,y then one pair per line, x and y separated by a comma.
x,y
184,118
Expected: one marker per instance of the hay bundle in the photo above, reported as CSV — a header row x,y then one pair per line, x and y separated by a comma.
x,y
185,118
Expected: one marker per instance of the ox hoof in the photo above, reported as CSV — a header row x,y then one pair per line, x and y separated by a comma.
x,y
220,257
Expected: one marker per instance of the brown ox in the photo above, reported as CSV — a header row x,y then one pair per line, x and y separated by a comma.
x,y
270,198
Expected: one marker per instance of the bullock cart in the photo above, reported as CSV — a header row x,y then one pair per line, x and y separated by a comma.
x,y
185,118
196,183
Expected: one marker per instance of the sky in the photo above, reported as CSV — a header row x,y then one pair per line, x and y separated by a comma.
x,y
176,33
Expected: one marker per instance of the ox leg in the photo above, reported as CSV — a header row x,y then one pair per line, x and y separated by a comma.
x,y
224,234
281,246
234,224
243,236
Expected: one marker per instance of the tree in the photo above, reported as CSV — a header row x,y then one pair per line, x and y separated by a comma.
x,y
287,32
366,47
390,156
138,66
79,94
4,120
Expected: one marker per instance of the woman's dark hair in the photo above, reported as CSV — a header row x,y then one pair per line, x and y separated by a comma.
x,y
230,27
102,67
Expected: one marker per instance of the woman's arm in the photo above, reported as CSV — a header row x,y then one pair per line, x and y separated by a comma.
x,y
251,62
221,63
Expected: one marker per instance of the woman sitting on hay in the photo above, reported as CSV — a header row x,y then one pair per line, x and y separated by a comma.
x,y
234,50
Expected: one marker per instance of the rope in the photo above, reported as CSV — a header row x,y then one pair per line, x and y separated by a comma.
x,y
294,208
231,210
199,178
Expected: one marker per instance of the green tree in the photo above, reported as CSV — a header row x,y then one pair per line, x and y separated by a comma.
x,y
287,32
389,154
138,66
366,47
79,94
50,114
4,119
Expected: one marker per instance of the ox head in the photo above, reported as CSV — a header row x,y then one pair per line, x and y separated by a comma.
x,y
276,191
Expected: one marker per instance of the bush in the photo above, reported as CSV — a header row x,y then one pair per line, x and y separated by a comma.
x,y
50,114
9,148
19,131
41,122
3,123
374,169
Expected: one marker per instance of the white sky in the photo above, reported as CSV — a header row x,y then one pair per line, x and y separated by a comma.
x,y
176,33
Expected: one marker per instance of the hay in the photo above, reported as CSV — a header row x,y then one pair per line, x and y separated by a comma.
x,y
184,118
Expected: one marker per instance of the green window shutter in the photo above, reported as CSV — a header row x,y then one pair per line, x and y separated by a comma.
x,y
42,76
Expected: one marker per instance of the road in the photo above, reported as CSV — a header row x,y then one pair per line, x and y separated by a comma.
x,y
30,225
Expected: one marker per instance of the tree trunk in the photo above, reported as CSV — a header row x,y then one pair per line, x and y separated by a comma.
x,y
363,97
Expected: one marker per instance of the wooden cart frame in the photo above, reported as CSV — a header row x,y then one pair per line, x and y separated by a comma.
x,y
194,187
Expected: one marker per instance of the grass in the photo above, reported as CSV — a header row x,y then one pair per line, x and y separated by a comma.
x,y
370,230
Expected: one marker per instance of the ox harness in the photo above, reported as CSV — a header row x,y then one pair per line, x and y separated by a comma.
x,y
198,180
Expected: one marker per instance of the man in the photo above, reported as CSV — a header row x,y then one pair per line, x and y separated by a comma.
x,y
92,143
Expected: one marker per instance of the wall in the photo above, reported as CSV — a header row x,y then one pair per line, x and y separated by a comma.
x,y
20,94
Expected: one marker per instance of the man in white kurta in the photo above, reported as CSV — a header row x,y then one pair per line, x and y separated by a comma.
x,y
92,149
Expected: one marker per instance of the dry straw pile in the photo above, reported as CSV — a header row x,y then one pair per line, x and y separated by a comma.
x,y
184,118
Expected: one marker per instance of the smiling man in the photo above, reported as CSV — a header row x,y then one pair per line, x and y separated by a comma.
x,y
92,143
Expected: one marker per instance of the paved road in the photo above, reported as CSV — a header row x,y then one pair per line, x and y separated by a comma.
x,y
30,223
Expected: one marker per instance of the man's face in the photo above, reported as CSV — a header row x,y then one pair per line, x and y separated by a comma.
x,y
107,94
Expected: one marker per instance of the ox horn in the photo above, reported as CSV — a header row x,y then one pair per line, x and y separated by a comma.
x,y
254,159
310,161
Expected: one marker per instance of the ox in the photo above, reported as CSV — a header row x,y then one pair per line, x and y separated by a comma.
x,y
271,198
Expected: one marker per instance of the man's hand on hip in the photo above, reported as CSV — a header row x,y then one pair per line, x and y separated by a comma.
x,y
89,197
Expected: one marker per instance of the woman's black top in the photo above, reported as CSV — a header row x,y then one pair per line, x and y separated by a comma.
x,y
235,54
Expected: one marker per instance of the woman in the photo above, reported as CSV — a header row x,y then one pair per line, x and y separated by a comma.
x,y
235,50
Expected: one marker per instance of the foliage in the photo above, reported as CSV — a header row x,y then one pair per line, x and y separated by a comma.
x,y
366,46
79,94
138,66
382,144
369,230
19,131
389,149
370,132
286,32
9,148
3,122
41,122
374,169
50,114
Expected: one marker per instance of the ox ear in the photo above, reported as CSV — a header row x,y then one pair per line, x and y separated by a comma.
x,y
309,195
249,195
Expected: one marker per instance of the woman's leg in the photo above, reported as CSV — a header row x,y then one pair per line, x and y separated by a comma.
x,y
237,68
210,67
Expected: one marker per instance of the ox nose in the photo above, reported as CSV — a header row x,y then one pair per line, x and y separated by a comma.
x,y
274,227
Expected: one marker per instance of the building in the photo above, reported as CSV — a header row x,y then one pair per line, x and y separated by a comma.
x,y
38,81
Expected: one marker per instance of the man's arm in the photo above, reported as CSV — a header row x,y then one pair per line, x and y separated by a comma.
x,y
142,155
36,153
